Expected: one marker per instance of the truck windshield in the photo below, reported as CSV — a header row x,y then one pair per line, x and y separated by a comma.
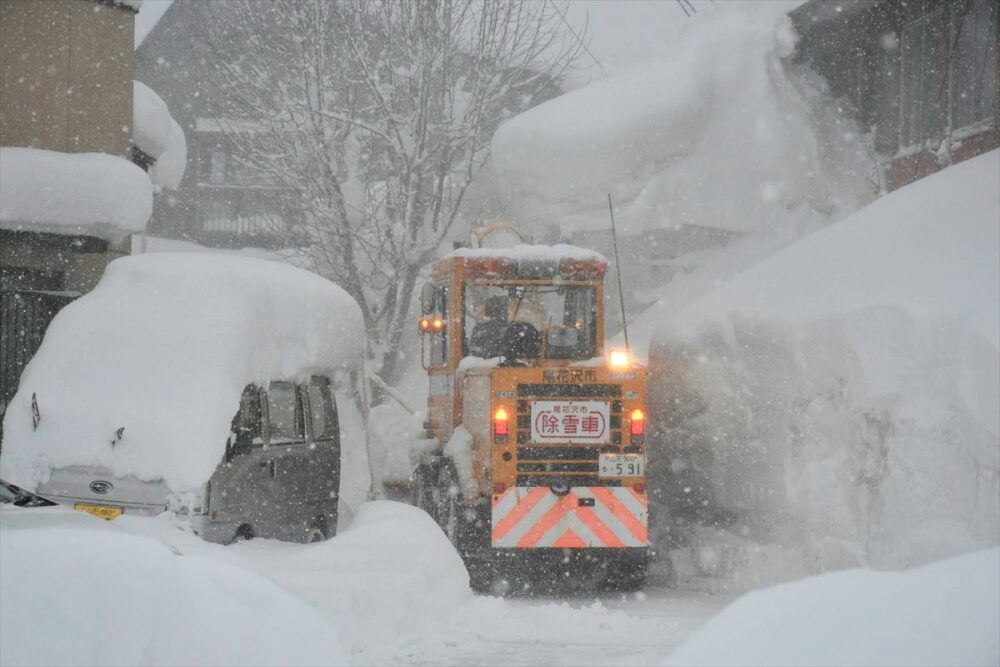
x,y
560,318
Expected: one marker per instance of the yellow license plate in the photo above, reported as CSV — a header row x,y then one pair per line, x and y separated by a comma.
x,y
101,511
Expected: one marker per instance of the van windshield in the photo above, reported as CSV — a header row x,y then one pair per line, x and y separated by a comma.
x,y
550,321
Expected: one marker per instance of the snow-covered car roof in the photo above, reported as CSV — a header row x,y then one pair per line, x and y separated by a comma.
x,y
163,348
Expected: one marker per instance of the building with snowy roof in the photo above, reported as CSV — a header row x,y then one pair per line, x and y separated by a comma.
x,y
77,138
220,201
920,76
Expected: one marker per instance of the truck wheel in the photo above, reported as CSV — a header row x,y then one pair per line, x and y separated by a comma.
x,y
423,492
449,504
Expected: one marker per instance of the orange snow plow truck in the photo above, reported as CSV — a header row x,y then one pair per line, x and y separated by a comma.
x,y
539,452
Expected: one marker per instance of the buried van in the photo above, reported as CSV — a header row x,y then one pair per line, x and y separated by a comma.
x,y
201,384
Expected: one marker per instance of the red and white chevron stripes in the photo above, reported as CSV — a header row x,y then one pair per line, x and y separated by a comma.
x,y
585,517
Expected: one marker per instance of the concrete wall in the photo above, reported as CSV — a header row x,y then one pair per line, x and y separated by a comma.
x,y
66,75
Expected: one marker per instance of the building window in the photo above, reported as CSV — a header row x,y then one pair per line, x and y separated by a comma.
x,y
217,175
975,62
923,80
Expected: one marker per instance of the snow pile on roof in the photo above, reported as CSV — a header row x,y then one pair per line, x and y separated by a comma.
x,y
72,193
163,348
946,613
168,170
713,132
158,135
78,590
533,253
150,120
842,397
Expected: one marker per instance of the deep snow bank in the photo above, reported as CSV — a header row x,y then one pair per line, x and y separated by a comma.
x,y
72,193
80,591
163,347
838,403
946,613
393,572
713,132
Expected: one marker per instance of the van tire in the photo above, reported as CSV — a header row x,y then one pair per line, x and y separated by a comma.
x,y
449,504
317,532
243,534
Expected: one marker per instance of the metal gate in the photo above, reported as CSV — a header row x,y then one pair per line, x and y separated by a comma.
x,y
24,317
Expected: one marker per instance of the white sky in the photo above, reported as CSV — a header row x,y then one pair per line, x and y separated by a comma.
x,y
624,32
621,32
148,15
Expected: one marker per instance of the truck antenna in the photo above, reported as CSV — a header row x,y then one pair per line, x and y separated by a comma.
x,y
618,271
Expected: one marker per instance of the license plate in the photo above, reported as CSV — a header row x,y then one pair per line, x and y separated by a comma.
x,y
101,511
620,465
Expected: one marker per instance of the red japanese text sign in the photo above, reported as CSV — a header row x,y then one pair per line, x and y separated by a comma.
x,y
569,421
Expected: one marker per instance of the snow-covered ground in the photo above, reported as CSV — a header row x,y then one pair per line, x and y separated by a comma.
x,y
945,613
77,590
391,591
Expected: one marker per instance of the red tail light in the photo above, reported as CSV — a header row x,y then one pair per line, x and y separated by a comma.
x,y
499,487
639,487
638,422
500,422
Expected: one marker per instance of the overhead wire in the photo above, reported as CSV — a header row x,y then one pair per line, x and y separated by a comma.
x,y
579,40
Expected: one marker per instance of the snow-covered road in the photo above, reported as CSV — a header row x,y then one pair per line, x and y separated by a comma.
x,y
397,594
390,590
633,630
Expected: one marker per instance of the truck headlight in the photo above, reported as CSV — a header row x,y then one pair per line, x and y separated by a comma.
x,y
618,359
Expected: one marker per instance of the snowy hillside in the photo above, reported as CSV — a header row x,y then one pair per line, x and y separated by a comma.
x,y
840,400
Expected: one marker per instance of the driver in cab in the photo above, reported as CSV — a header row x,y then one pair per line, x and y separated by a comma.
x,y
487,336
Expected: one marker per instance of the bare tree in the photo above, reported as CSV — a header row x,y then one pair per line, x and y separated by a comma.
x,y
377,116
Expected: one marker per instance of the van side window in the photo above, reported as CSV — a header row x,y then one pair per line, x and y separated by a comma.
x,y
248,425
286,421
323,409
